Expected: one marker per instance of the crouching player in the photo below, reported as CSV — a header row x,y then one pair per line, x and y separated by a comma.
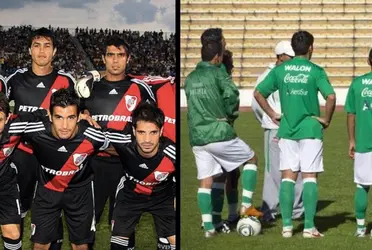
x,y
149,182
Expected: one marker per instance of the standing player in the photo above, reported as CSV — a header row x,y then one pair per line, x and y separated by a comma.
x,y
31,89
359,122
2,84
10,213
111,104
147,186
301,129
270,199
62,146
213,102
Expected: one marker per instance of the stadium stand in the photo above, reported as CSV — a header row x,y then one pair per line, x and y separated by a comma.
x,y
342,31
153,53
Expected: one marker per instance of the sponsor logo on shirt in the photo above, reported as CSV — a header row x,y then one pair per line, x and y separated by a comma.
x,y
301,92
366,92
366,81
131,178
116,118
297,68
26,108
300,78
59,172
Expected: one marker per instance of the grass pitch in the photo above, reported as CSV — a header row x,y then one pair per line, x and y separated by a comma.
x,y
335,216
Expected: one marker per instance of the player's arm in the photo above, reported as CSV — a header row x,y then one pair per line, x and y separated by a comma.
x,y
118,141
230,94
2,85
329,95
351,111
263,91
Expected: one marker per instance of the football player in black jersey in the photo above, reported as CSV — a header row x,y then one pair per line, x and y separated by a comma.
x,y
111,104
31,89
148,184
62,146
10,213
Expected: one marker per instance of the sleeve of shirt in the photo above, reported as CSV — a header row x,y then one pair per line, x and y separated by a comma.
x,y
269,84
147,94
71,83
8,86
27,124
118,139
324,85
350,100
230,94
3,85
98,138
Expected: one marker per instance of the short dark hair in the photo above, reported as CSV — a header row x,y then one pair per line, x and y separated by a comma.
x,y
148,112
212,35
370,56
42,32
301,42
210,50
227,60
63,98
4,104
117,42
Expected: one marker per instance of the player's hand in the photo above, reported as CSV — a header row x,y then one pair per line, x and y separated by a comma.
x,y
84,85
322,121
352,150
89,119
276,118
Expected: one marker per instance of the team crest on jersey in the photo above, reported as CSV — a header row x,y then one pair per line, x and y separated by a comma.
x,y
79,158
7,151
160,176
131,102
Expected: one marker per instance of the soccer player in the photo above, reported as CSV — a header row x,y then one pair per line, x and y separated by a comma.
x,y
62,146
31,89
213,102
270,198
111,103
2,84
148,184
10,213
301,127
358,106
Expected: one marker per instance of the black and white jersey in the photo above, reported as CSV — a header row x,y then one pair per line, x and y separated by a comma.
x,y
63,163
146,175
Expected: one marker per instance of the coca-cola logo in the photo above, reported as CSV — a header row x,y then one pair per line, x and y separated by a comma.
x,y
366,92
300,78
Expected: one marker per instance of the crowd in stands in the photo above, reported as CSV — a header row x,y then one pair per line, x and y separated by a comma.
x,y
152,53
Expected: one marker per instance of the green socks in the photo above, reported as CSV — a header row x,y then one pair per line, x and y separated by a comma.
x,y
205,206
360,202
286,199
249,180
310,198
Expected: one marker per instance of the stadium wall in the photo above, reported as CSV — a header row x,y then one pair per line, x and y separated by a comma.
x,y
246,96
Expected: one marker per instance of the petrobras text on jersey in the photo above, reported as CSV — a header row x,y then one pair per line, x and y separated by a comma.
x,y
116,118
366,92
170,120
25,108
300,78
131,178
58,172
297,68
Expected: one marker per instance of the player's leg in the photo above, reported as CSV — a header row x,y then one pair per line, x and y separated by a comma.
x,y
78,208
232,154
162,209
207,169
45,217
289,166
232,195
217,196
272,178
126,215
363,179
311,161
10,212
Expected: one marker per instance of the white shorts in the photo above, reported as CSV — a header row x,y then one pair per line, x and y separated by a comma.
x,y
305,155
363,168
229,155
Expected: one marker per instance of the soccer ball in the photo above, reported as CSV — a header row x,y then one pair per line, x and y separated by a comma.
x,y
248,226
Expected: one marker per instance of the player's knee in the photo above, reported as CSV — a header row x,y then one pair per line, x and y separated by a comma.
x,y
253,160
11,232
79,247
